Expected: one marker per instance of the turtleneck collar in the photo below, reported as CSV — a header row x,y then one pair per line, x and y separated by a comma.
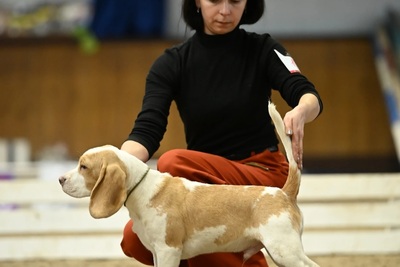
x,y
218,39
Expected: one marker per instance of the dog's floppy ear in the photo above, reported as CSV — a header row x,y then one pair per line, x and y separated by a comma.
x,y
109,192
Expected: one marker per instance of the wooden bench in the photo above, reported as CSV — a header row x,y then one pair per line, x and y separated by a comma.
x,y
344,214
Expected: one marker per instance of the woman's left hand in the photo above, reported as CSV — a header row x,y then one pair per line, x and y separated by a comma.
x,y
294,126
294,120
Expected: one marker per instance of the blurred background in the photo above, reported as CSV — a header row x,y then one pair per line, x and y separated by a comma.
x,y
72,75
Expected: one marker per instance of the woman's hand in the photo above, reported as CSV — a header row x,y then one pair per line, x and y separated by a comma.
x,y
294,120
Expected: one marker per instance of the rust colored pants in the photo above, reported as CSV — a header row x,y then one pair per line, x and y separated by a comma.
x,y
266,168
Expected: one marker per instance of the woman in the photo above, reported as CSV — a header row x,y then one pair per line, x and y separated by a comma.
x,y
221,79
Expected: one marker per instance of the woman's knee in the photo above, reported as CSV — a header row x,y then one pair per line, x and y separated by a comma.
x,y
172,161
133,247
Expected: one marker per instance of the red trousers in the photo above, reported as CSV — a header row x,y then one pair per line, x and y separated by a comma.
x,y
266,168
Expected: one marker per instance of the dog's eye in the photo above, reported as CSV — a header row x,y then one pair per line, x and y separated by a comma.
x,y
82,167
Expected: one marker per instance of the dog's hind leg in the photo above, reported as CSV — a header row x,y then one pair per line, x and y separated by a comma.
x,y
287,251
294,259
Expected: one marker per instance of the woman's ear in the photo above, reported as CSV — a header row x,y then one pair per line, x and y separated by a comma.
x,y
109,193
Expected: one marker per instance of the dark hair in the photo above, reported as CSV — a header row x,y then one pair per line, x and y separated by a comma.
x,y
253,12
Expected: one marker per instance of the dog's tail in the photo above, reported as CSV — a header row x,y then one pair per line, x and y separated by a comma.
x,y
292,185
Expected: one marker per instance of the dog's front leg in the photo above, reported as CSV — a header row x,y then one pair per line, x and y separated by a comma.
x,y
167,257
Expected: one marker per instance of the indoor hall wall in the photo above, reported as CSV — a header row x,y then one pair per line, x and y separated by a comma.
x,y
51,92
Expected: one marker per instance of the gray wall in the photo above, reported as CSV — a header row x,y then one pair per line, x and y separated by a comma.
x,y
305,18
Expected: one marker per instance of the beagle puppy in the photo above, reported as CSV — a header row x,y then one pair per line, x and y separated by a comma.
x,y
175,218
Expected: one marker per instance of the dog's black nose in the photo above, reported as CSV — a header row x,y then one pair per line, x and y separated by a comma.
x,y
61,180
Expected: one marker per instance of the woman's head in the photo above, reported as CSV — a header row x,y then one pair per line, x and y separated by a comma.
x,y
221,16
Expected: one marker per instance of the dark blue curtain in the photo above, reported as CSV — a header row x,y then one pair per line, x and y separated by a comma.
x,y
128,18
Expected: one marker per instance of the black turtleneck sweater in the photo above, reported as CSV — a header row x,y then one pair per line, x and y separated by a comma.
x,y
221,85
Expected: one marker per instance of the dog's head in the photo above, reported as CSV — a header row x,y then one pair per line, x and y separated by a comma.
x,y
100,174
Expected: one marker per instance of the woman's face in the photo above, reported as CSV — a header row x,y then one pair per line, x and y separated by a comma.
x,y
221,16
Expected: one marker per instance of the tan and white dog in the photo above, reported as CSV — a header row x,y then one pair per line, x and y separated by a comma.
x,y
178,219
